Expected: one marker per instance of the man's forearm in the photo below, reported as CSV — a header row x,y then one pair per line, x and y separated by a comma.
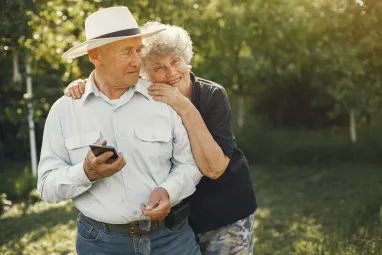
x,y
64,183
181,182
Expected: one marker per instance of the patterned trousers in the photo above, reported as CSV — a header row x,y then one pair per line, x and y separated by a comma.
x,y
233,239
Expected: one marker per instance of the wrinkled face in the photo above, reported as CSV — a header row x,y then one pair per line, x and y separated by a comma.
x,y
119,62
172,70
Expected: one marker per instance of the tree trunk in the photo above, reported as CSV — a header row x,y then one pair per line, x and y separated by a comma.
x,y
241,111
368,121
2,159
16,70
353,128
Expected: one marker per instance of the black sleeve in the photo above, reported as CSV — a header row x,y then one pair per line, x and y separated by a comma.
x,y
219,121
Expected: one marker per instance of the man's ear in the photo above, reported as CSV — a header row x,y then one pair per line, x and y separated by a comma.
x,y
94,56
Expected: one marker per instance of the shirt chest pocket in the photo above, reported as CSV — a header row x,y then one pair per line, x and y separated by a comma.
x,y
78,145
154,143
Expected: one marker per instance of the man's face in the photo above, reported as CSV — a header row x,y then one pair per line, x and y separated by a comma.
x,y
172,70
119,62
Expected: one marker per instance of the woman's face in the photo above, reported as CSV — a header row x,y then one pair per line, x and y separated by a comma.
x,y
172,70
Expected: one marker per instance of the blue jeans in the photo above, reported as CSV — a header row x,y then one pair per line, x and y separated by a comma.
x,y
92,240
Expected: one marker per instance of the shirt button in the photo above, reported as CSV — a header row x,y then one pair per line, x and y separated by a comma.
x,y
154,136
118,135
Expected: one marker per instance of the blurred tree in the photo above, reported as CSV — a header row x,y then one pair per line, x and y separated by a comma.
x,y
350,59
14,31
303,63
223,46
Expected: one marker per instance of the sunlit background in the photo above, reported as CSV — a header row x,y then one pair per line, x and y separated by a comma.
x,y
304,80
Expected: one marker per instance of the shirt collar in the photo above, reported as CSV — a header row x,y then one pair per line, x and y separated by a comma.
x,y
142,87
91,88
193,78
195,88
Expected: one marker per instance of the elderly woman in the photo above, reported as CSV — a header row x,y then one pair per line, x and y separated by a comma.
x,y
223,205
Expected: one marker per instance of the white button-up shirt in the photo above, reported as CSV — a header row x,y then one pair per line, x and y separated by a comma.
x,y
149,134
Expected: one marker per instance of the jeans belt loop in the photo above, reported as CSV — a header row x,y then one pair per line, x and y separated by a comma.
x,y
105,227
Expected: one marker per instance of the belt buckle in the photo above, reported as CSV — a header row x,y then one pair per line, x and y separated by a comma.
x,y
132,231
135,231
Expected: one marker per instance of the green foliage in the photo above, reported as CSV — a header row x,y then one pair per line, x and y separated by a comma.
x,y
304,63
16,184
325,147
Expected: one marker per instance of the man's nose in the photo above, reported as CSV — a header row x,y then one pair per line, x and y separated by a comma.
x,y
135,59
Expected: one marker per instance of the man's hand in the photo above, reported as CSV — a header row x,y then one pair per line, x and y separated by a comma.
x,y
97,167
75,89
159,205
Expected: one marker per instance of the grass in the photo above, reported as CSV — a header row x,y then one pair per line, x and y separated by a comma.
x,y
38,229
303,210
313,210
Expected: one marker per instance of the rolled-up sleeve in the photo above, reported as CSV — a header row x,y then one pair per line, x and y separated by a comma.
x,y
57,179
184,175
219,121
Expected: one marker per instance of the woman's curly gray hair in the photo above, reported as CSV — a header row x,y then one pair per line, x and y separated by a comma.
x,y
174,41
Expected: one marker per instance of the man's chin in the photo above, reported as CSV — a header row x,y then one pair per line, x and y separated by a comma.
x,y
128,83
132,81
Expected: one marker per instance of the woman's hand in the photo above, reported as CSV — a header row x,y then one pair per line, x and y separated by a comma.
x,y
75,89
171,96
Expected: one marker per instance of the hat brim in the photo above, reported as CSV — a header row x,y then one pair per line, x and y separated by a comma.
x,y
83,48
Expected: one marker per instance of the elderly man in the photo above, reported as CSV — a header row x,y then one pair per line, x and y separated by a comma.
x,y
154,166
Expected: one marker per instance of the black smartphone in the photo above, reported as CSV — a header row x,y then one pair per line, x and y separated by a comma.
x,y
99,149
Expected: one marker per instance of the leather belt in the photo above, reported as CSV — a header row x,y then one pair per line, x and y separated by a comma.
x,y
131,228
